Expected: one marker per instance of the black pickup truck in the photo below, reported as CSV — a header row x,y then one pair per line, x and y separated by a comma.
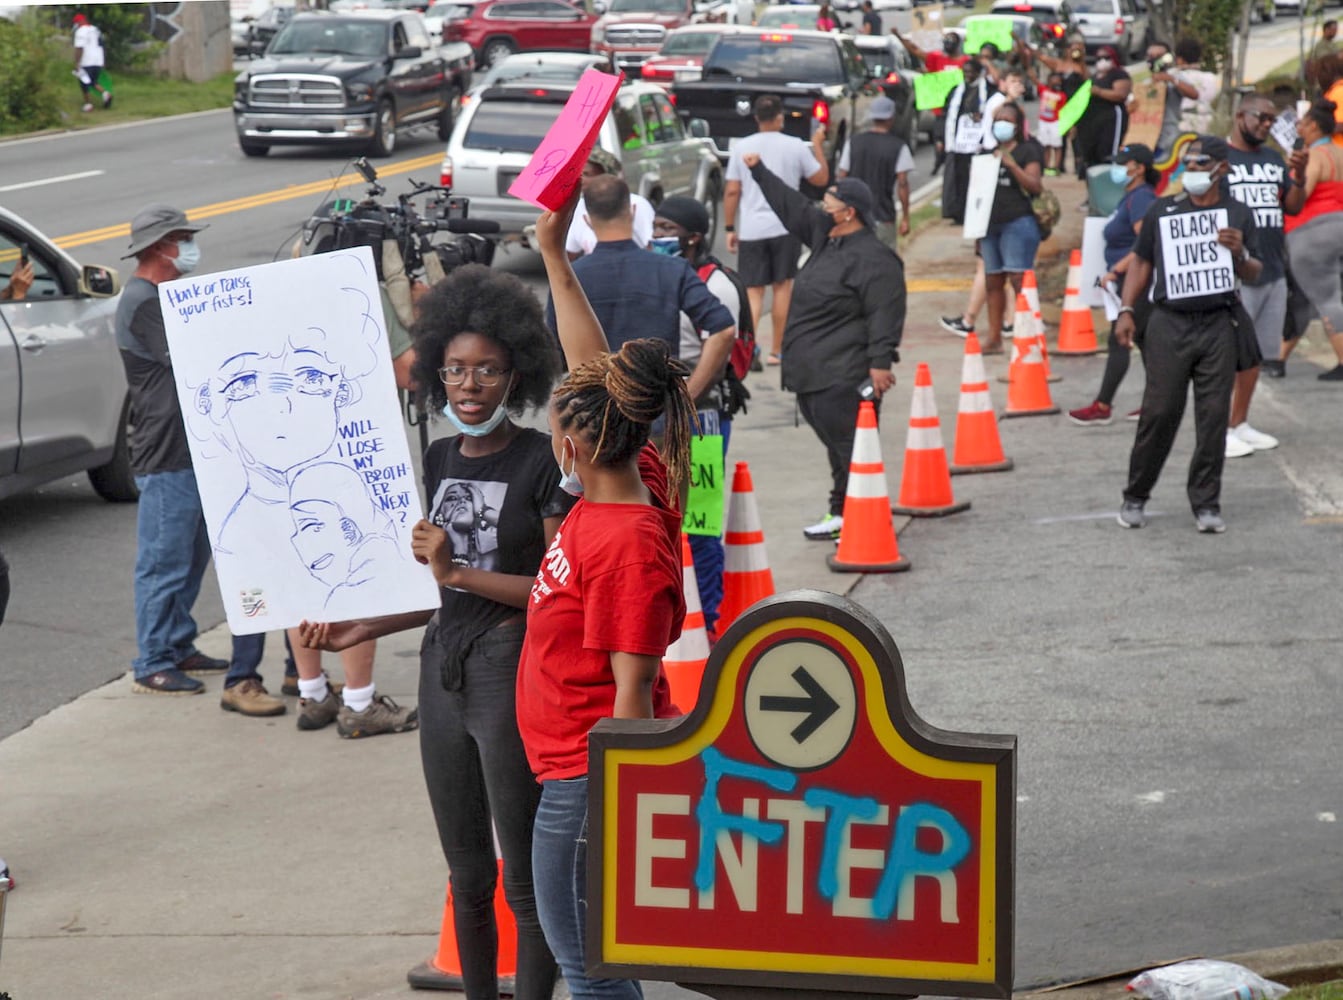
x,y
349,78
819,76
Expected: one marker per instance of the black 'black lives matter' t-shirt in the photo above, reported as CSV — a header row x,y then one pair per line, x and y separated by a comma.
x,y
1198,279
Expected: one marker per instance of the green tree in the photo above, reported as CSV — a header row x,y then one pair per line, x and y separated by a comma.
x,y
127,44
29,96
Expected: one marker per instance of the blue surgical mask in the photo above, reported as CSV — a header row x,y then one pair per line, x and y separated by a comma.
x,y
569,480
188,256
1004,131
668,246
480,430
1119,173
1197,182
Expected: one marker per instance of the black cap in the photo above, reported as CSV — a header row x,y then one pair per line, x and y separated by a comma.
x,y
856,194
1214,146
1135,152
685,211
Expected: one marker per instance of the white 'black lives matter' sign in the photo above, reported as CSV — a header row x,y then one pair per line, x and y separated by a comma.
x,y
1194,262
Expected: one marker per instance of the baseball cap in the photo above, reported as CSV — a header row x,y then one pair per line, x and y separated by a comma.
x,y
155,222
605,161
856,194
1212,145
883,109
79,19
1135,152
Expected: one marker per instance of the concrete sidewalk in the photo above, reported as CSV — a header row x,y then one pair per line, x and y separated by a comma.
x,y
166,849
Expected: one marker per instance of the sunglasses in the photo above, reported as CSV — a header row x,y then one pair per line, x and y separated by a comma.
x,y
1262,117
1198,160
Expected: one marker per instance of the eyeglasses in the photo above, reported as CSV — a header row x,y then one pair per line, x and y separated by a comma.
x,y
486,376
1263,117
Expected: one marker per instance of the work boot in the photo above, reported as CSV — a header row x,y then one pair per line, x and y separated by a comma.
x,y
250,697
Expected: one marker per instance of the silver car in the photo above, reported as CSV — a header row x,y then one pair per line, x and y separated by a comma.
x,y
1123,24
64,405
499,130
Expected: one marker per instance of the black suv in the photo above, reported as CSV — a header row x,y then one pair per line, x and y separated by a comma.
x,y
349,78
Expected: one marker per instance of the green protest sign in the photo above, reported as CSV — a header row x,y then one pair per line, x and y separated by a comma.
x,y
704,503
979,30
1072,111
931,89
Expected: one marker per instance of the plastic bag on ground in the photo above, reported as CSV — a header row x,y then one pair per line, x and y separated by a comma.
x,y
1205,979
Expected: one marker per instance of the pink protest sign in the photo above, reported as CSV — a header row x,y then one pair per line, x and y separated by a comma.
x,y
557,165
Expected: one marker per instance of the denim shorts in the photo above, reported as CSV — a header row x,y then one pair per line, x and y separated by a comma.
x,y
1009,248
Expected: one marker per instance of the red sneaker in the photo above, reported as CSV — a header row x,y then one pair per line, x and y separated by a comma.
x,y
1095,415
1134,414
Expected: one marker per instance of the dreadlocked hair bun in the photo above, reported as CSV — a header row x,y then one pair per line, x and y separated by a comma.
x,y
614,399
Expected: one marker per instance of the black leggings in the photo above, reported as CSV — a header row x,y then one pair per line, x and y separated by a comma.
x,y
1117,360
833,415
476,769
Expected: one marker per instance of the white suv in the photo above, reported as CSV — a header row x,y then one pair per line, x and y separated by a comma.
x,y
499,130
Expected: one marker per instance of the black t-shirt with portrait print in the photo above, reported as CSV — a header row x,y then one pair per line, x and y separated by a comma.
x,y
1011,201
492,509
1195,282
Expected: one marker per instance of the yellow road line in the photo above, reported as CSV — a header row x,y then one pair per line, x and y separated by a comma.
x,y
937,285
256,200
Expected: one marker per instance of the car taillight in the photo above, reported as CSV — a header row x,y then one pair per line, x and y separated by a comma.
x,y
1055,29
820,113
445,173
892,77
778,37
1119,26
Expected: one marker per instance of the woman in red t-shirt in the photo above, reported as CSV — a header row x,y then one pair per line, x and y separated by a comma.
x,y
608,598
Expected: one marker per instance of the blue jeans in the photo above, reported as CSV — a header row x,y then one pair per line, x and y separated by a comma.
x,y
247,653
707,550
172,552
559,871
1009,247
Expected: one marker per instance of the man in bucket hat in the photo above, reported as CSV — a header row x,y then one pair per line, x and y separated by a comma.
x,y
173,547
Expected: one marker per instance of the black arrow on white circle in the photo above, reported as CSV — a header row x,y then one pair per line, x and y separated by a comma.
x,y
817,704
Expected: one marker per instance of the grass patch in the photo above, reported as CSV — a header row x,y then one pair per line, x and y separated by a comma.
x,y
139,96
1318,991
920,218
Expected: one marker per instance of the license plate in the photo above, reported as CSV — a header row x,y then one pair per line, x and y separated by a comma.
x,y
1091,29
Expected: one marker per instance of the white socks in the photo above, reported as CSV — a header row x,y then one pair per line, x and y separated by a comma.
x,y
313,690
357,699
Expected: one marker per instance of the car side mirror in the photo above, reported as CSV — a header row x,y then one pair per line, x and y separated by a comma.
x,y
698,128
408,52
598,7
100,282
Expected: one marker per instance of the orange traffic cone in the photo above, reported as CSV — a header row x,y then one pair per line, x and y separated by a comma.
x,y
867,539
978,448
1032,292
444,970
1077,334
1028,326
684,660
746,573
1027,387
925,484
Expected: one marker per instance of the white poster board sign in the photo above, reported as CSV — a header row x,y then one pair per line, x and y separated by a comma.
x,y
285,381
1193,261
1284,130
979,193
1093,261
926,25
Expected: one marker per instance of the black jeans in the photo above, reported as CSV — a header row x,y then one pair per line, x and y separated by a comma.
x,y
833,415
475,768
1179,349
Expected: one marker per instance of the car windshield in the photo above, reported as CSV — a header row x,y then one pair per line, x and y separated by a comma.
x,y
691,43
648,6
776,57
335,37
799,16
877,62
534,69
510,126
1094,7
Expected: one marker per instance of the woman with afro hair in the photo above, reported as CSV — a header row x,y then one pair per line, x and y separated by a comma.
x,y
483,356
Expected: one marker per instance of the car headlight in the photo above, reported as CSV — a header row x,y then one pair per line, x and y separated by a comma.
x,y
360,92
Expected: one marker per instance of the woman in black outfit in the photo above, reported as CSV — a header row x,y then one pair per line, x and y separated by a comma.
x,y
482,353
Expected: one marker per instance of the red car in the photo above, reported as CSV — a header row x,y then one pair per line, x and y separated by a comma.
x,y
496,30
683,52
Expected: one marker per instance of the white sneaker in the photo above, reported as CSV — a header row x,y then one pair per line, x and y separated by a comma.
x,y
824,530
1257,440
1235,447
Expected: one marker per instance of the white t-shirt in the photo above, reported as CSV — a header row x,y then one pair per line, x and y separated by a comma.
x,y
88,38
904,164
789,159
991,106
582,239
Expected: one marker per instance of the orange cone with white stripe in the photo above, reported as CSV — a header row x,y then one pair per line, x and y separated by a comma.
x,y
1077,333
1032,292
867,539
1028,326
684,660
1027,386
746,574
978,447
444,970
925,484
